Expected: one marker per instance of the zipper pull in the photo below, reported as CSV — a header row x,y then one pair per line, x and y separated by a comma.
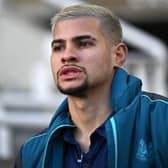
x,y
80,159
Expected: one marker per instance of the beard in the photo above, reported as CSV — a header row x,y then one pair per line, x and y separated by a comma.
x,y
77,91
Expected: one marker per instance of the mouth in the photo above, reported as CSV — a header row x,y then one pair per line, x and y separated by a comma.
x,y
69,72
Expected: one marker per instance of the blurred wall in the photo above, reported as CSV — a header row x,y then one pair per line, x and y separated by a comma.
x,y
21,46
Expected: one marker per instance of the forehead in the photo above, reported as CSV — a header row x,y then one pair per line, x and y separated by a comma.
x,y
78,26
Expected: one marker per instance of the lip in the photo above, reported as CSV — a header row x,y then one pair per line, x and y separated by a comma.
x,y
69,72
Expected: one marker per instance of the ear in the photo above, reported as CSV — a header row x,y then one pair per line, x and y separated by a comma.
x,y
120,52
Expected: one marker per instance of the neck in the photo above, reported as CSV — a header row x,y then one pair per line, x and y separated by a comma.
x,y
90,110
88,113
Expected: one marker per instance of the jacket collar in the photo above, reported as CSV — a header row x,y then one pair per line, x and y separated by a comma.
x,y
124,88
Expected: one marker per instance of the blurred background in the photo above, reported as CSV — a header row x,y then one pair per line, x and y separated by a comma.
x,y
28,96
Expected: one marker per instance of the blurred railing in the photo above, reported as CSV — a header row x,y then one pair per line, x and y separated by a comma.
x,y
150,63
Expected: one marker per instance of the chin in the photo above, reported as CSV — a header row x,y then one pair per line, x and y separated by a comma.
x,y
74,91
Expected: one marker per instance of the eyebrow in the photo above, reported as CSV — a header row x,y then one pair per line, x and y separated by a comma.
x,y
83,37
76,38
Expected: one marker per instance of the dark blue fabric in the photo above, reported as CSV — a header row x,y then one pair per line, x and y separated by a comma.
x,y
137,138
96,156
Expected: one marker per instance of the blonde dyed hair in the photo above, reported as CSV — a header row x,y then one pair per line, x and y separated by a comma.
x,y
109,23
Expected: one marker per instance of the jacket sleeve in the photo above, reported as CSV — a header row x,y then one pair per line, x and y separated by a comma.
x,y
18,160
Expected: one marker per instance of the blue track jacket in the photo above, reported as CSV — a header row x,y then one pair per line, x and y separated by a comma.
x,y
137,134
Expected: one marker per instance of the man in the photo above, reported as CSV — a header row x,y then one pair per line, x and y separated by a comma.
x,y
106,120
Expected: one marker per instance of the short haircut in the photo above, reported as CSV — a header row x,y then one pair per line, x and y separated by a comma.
x,y
109,23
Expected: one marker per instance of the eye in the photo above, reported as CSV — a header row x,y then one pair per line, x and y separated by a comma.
x,y
85,44
57,47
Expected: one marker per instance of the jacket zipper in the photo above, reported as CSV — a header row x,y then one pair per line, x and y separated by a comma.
x,y
45,152
114,129
113,125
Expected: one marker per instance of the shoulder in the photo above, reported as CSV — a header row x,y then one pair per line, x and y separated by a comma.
x,y
157,106
155,99
33,148
35,142
154,105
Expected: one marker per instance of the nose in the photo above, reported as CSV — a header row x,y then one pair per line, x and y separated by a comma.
x,y
70,55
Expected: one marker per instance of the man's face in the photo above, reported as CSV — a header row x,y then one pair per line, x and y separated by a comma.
x,y
81,56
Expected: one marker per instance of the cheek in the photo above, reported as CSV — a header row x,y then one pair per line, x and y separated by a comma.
x,y
104,65
54,69
54,64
